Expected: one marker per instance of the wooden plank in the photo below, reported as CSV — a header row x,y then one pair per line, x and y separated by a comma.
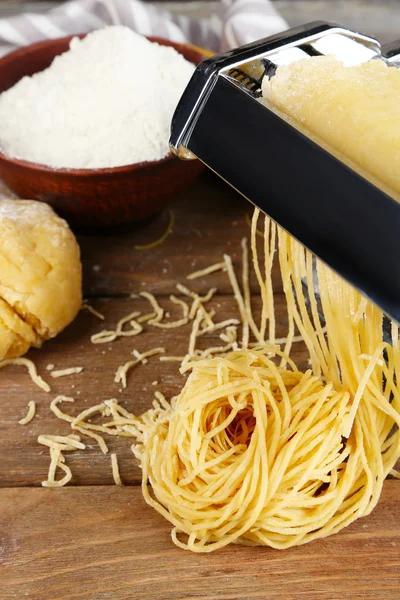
x,y
209,208
111,263
105,543
23,462
210,220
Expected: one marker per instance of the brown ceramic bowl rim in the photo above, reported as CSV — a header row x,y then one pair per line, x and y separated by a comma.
x,y
34,166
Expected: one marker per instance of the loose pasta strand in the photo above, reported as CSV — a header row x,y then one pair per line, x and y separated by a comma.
x,y
255,451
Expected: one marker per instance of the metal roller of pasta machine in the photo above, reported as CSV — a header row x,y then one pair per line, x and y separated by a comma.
x,y
348,222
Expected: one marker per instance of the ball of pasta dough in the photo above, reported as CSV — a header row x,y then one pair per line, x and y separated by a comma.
x,y
40,275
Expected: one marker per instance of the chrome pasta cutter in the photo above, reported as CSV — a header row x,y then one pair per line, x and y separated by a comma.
x,y
339,215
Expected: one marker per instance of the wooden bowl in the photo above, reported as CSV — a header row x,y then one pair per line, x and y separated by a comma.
x,y
93,197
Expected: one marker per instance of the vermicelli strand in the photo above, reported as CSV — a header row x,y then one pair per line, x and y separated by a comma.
x,y
255,451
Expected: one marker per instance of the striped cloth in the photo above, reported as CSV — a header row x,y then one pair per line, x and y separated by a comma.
x,y
235,22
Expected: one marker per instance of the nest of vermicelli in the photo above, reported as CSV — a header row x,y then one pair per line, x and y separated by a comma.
x,y
254,450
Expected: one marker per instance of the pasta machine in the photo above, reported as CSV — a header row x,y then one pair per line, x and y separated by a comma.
x,y
348,222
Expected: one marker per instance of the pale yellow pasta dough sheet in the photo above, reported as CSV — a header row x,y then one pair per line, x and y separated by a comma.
x,y
354,110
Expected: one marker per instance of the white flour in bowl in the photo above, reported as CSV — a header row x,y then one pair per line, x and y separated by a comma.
x,y
107,102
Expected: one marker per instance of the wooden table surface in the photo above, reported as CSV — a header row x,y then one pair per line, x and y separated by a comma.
x,y
92,540
95,541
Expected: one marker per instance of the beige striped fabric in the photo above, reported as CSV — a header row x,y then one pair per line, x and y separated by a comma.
x,y
234,22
